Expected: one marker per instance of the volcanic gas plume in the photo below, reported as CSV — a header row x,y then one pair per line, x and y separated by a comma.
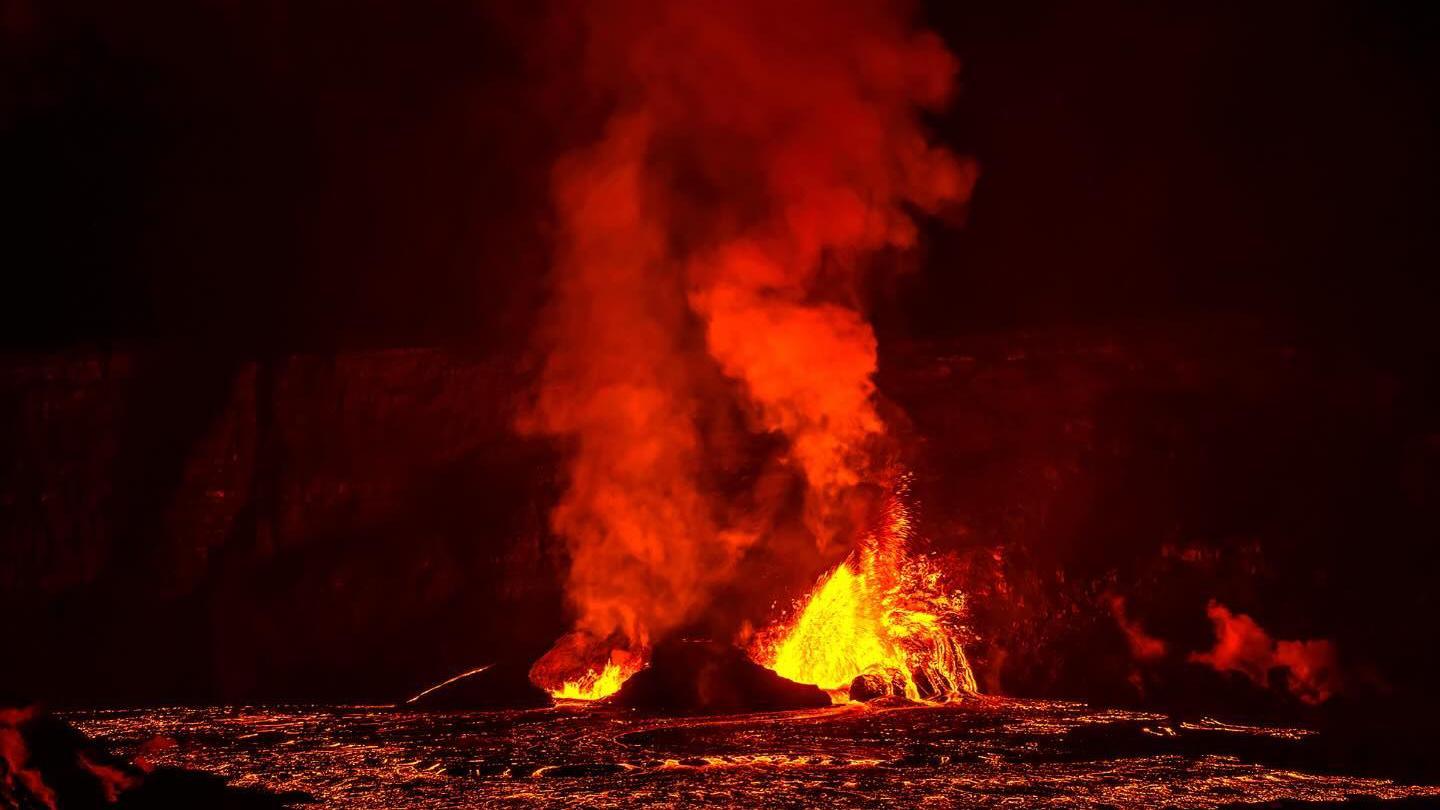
x,y
1243,646
710,254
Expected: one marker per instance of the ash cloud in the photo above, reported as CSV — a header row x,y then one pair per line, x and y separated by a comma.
x,y
706,307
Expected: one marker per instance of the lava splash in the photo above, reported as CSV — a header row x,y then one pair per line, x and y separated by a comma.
x,y
883,622
596,684
884,616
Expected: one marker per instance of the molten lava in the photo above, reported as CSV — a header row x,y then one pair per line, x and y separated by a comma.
x,y
595,685
881,612
758,164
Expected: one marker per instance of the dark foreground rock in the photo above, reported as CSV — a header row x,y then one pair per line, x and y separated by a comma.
x,y
872,685
47,763
705,677
181,789
502,686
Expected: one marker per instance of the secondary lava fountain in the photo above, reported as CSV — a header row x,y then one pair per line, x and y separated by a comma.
x,y
883,614
594,685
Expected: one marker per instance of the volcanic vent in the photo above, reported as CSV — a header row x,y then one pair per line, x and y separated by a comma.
x,y
882,618
707,357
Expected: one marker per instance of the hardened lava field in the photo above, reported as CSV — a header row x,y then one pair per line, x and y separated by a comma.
x,y
984,752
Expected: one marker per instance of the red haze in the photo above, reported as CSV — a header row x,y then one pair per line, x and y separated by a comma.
x,y
710,252
1143,646
1243,646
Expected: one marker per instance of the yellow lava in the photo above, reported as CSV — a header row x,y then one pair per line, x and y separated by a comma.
x,y
881,611
594,685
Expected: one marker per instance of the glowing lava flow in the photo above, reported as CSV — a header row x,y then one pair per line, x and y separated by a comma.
x,y
595,685
882,613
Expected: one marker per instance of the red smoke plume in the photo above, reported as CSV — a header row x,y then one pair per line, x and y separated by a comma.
x,y
709,257
1243,646
1143,646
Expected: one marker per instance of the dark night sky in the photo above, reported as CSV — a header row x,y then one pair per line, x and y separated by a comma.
x,y
1142,160
278,175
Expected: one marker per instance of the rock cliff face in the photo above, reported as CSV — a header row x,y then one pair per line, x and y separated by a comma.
x,y
361,525
233,527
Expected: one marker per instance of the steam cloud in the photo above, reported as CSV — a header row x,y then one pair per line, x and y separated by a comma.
x,y
1243,646
1143,646
707,280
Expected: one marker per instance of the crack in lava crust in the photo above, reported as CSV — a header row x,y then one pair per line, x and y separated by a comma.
x,y
986,752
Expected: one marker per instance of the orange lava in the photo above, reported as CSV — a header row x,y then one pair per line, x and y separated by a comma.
x,y
759,164
596,685
883,611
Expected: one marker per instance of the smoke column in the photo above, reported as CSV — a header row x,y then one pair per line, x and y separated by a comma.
x,y
710,254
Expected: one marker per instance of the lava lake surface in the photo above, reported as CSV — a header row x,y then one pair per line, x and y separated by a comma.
x,y
983,753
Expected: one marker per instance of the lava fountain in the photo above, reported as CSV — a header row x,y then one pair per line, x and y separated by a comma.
x,y
594,685
882,620
706,332
883,616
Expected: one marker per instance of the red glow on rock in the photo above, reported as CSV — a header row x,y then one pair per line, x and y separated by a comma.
x,y
19,777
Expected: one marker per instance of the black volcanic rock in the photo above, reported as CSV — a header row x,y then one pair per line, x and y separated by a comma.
x,y
502,686
871,685
46,762
181,789
705,677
